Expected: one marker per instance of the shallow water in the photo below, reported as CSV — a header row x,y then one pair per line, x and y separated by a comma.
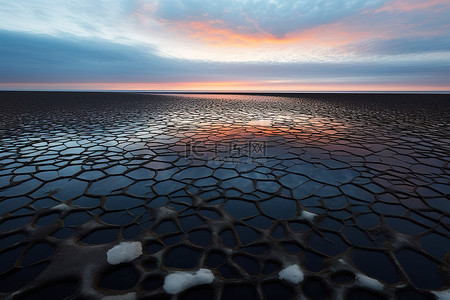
x,y
244,185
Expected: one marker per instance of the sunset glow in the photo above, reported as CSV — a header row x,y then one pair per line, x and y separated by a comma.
x,y
220,86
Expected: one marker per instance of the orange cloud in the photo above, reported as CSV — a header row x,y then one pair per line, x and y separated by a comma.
x,y
410,5
333,36
214,33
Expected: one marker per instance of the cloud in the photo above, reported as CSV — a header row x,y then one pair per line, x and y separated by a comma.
x,y
42,59
299,30
271,43
414,5
77,18
403,46
274,18
239,30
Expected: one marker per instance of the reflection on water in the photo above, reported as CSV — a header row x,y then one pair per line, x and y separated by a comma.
x,y
351,188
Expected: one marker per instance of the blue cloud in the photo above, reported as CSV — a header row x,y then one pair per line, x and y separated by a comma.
x,y
402,46
41,58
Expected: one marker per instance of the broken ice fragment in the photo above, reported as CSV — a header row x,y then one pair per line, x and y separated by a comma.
x,y
292,274
182,280
124,252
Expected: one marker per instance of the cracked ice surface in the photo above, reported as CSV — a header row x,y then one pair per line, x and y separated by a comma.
x,y
276,196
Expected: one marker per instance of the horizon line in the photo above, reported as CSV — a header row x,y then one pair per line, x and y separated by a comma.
x,y
236,91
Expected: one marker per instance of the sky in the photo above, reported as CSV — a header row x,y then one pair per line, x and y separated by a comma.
x,y
226,45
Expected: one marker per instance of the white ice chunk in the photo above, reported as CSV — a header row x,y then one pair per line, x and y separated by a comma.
x,y
129,296
292,274
442,295
179,281
124,252
369,282
307,216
